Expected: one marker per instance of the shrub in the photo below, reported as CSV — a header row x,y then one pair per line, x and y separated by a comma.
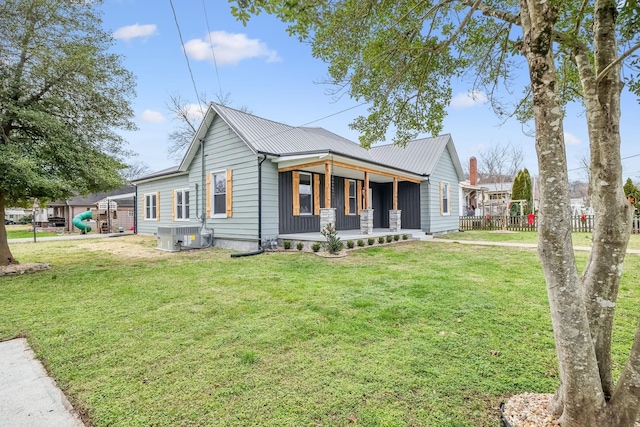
x,y
360,242
315,247
405,236
287,244
381,239
300,246
371,241
350,244
333,243
389,238
396,237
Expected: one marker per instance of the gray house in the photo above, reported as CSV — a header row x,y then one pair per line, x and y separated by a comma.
x,y
251,179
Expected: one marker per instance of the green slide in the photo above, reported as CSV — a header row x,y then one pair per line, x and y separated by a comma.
x,y
77,222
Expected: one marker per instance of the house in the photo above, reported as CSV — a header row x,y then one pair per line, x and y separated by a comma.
x,y
251,180
60,213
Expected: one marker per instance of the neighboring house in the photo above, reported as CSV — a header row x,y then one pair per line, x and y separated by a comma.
x,y
14,215
60,213
259,179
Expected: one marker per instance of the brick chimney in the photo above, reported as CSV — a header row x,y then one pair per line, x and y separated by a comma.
x,y
473,171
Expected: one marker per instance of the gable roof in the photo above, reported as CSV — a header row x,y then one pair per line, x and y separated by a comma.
x,y
268,137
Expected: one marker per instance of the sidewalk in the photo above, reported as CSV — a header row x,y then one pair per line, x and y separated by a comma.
x,y
28,396
68,237
516,245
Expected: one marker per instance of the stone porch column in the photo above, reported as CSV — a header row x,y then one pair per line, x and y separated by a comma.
x,y
366,221
327,216
395,216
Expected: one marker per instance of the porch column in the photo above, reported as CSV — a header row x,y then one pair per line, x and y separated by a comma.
x,y
327,185
366,221
366,191
395,215
327,213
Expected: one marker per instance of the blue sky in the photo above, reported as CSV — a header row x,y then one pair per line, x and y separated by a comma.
x,y
276,77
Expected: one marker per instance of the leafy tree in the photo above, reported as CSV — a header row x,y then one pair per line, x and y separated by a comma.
x,y
523,190
401,57
62,94
631,190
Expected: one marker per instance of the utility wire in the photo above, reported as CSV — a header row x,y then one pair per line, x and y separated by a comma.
x,y
175,18
215,63
586,167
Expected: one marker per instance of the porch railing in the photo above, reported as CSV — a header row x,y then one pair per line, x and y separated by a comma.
x,y
579,223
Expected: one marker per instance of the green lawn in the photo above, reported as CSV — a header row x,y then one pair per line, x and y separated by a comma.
x,y
22,231
579,239
414,334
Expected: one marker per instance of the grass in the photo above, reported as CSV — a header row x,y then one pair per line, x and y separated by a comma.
x,y
415,334
23,231
579,239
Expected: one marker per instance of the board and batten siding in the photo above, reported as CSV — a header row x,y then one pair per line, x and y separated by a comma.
x,y
224,150
444,172
165,189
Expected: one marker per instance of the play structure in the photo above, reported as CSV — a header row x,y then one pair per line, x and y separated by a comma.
x,y
103,217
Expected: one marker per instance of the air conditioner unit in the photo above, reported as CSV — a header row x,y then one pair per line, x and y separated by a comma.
x,y
173,239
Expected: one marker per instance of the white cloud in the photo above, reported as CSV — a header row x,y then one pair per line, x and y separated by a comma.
x,y
229,48
151,116
468,99
135,31
195,111
571,139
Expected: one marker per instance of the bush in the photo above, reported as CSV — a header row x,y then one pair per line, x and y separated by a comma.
x,y
333,243
389,238
360,242
300,246
405,236
396,237
315,247
371,241
350,244
381,239
287,244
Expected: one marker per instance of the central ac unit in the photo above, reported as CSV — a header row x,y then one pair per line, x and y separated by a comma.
x,y
173,239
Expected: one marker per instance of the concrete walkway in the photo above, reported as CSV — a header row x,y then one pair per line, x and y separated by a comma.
x,y
28,396
516,244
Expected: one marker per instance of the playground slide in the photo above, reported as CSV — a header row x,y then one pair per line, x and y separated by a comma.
x,y
77,222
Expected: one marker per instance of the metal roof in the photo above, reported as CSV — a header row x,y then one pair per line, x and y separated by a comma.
x,y
420,155
269,137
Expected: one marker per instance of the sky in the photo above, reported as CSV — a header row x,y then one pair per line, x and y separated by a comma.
x,y
276,77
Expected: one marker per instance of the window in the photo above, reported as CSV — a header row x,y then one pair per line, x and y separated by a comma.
x,y
181,205
351,197
220,193
151,206
445,199
306,194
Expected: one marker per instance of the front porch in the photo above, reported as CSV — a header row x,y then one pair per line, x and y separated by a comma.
x,y
354,235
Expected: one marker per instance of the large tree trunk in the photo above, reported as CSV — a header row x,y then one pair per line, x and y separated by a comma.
x,y
581,391
6,257
582,310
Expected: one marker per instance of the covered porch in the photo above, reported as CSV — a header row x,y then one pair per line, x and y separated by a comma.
x,y
351,194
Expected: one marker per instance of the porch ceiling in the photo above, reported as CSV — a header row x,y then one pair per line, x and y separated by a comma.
x,y
348,168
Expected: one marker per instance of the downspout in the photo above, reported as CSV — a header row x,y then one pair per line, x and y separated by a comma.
x,y
260,248
203,184
135,212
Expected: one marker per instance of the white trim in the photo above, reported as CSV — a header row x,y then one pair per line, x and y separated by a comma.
x,y
446,207
175,196
215,214
154,217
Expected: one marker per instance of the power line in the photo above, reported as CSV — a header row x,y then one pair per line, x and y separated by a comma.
x,y
215,63
175,18
586,167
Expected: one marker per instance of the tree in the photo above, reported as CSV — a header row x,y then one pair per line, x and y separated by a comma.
x,y
133,170
522,189
62,94
632,191
401,57
500,163
188,117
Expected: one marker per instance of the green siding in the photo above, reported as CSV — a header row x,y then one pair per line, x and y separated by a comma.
x,y
443,172
165,187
